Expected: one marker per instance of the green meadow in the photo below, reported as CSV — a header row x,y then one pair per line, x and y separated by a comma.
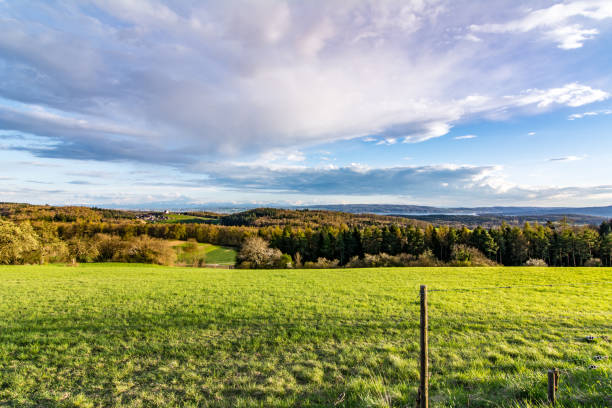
x,y
119,335
187,219
211,254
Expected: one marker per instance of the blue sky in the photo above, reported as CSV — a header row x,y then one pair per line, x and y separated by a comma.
x,y
431,102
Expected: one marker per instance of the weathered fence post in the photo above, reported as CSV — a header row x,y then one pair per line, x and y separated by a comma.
x,y
552,382
424,388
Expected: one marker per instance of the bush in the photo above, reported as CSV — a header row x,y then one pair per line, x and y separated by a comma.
x,y
56,251
191,246
322,263
381,260
144,249
593,262
426,259
188,254
109,247
464,255
284,262
52,248
536,262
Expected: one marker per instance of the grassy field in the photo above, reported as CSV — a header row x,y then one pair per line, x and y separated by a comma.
x,y
212,254
108,335
187,219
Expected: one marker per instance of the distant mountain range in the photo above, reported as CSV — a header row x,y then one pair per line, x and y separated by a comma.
x,y
407,210
592,213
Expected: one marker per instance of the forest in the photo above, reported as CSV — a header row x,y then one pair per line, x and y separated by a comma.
x,y
41,234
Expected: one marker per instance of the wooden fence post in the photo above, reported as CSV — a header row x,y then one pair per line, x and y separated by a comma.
x,y
552,379
424,388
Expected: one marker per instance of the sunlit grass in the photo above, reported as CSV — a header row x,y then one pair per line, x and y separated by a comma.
x,y
209,253
135,335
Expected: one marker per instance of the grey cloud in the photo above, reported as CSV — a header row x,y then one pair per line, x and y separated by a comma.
x,y
81,183
38,164
449,183
565,158
90,174
349,180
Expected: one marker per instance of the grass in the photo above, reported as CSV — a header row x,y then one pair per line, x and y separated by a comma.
x,y
110,335
187,219
212,254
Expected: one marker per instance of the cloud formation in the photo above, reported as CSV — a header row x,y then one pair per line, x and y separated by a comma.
x,y
240,95
167,82
561,23
352,180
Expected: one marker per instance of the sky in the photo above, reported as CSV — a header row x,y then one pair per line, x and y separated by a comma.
x,y
185,102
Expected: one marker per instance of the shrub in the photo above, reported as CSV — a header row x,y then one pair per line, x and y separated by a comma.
x,y
322,263
464,255
109,247
191,246
426,259
192,259
536,262
189,255
593,262
283,262
55,251
144,249
381,260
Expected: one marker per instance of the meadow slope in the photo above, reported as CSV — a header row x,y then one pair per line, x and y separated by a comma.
x,y
110,335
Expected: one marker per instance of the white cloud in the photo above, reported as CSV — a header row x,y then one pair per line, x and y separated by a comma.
x,y
465,137
591,113
571,37
387,141
531,134
573,95
472,37
279,158
556,22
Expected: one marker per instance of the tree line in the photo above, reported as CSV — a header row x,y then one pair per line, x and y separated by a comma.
x,y
556,244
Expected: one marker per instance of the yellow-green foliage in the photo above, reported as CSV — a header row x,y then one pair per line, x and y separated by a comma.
x,y
117,335
17,242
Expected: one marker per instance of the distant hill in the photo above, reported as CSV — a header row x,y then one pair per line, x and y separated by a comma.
x,y
407,210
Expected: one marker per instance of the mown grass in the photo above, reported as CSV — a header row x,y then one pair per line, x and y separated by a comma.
x,y
124,335
211,254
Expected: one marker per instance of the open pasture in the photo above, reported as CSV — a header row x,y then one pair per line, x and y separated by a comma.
x,y
111,335
211,254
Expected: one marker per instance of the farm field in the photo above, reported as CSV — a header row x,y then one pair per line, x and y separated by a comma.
x,y
115,335
212,254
